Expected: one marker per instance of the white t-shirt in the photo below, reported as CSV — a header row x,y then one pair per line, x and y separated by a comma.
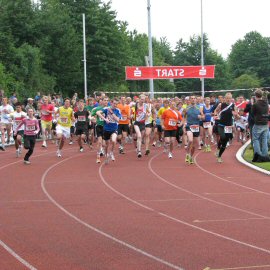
x,y
17,119
5,111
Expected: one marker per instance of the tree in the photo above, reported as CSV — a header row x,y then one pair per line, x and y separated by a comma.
x,y
251,55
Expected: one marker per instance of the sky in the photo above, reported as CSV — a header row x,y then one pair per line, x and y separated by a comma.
x,y
224,21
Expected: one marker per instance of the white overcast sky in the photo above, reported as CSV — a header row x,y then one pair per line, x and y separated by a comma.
x,y
225,21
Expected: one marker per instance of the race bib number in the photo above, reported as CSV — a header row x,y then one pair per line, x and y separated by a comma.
x,y
81,118
30,127
64,120
194,128
206,124
172,123
110,119
228,129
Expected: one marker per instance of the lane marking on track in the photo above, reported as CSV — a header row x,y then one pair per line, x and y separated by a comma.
x,y
181,221
15,255
109,236
227,181
239,268
227,220
71,181
198,195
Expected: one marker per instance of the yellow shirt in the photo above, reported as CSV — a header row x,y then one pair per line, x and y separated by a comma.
x,y
65,117
161,111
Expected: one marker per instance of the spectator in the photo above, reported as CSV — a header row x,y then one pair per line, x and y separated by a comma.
x,y
37,97
260,129
30,105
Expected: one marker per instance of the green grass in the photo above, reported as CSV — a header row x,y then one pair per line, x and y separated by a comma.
x,y
248,156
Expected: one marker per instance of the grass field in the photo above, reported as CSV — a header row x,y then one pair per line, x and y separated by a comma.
x,y
248,155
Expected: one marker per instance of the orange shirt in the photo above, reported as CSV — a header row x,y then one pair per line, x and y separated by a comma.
x,y
170,119
125,112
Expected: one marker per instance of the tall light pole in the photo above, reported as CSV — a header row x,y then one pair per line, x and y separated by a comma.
x,y
151,81
202,53
84,59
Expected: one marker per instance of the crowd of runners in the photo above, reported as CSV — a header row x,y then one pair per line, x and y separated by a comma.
x,y
191,123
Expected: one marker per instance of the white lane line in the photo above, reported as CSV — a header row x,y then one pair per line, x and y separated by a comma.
x,y
109,236
240,268
227,181
227,220
183,222
15,255
197,195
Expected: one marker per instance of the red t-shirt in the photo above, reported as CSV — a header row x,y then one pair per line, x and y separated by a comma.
x,y
45,116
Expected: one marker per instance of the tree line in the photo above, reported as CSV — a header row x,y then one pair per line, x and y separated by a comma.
x,y
41,49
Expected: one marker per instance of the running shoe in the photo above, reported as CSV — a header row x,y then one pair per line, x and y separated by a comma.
x,y
217,152
112,156
209,148
170,155
187,158
139,154
154,144
26,162
219,160
3,148
58,153
107,160
81,149
44,144
191,161
101,153
70,142
98,160
147,152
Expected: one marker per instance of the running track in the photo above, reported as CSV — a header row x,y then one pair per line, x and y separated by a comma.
x,y
153,213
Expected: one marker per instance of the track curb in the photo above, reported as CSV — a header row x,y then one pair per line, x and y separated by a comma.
x,y
239,156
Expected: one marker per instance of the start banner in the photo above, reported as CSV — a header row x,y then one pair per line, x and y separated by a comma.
x,y
170,72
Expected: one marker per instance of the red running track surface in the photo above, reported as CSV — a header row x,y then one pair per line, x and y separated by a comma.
x,y
153,213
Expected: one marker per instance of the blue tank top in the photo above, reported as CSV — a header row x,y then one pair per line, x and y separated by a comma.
x,y
192,115
207,113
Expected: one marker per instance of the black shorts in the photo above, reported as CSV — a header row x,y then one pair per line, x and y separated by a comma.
x,y
72,130
215,129
99,131
123,128
150,125
20,132
91,126
170,133
81,131
140,125
241,129
195,134
159,128
107,134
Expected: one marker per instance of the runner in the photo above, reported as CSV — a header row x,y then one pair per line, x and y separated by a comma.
x,y
91,125
17,118
47,110
225,111
193,114
241,123
63,124
82,122
171,119
111,118
207,125
5,125
31,129
157,128
99,126
141,113
124,122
